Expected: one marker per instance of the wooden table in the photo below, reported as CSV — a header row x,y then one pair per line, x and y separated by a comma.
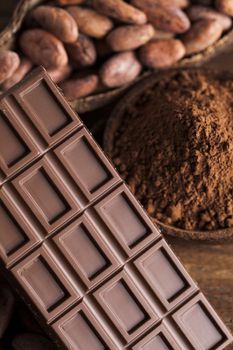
x,y
210,264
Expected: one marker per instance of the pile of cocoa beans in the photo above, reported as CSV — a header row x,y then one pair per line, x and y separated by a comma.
x,y
90,46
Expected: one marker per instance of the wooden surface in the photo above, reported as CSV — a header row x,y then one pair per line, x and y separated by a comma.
x,y
210,264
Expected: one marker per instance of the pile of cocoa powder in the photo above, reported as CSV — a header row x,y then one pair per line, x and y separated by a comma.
x,y
175,150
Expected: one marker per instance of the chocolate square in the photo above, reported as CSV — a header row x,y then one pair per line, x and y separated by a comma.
x,y
46,283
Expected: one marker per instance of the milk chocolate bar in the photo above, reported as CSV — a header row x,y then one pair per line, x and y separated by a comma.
x,y
77,245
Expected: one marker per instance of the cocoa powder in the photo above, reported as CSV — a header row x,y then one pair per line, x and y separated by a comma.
x,y
175,149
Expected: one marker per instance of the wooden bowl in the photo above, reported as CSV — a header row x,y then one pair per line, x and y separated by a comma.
x,y
8,41
111,128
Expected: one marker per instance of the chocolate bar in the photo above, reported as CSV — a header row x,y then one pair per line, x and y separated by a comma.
x,y
77,245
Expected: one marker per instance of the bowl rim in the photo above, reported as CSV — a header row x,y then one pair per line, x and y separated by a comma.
x,y
111,127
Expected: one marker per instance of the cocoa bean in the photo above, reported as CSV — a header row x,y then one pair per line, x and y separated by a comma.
x,y
130,37
165,18
161,53
120,10
159,34
179,3
68,2
153,3
202,12
225,6
43,48
82,52
9,62
80,86
120,69
169,19
24,67
56,21
201,35
90,22
60,74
